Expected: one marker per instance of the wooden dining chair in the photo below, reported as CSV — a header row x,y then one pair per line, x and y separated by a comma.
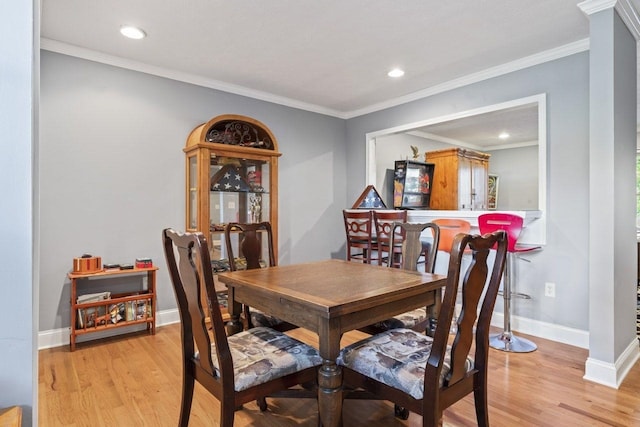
x,y
383,222
414,248
237,369
254,243
358,225
424,374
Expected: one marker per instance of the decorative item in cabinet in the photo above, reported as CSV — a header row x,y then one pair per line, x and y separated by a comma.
x,y
98,311
412,184
460,179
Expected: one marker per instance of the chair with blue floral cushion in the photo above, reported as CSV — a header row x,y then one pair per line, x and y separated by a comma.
x,y
237,369
424,374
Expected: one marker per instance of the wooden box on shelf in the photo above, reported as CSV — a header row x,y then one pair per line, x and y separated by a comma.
x,y
99,311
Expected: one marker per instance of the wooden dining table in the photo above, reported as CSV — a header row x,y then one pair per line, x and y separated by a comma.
x,y
330,298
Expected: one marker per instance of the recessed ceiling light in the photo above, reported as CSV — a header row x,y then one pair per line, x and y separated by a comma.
x,y
504,135
396,72
132,32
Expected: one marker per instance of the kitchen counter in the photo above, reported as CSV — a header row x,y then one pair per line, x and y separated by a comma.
x,y
533,228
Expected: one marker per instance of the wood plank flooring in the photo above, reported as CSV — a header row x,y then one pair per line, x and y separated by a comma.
x,y
136,381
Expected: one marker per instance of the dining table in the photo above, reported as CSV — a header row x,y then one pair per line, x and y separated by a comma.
x,y
330,297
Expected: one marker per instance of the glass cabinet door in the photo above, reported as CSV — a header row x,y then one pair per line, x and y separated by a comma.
x,y
192,197
238,192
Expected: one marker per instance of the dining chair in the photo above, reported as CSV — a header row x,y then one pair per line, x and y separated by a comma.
x,y
424,374
413,249
358,225
383,222
250,365
254,243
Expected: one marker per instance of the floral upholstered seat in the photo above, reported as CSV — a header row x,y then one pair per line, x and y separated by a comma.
x,y
262,354
397,358
410,319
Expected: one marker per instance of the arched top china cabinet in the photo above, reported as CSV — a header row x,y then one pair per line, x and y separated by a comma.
x,y
231,176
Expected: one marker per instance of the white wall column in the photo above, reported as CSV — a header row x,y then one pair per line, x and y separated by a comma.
x,y
613,345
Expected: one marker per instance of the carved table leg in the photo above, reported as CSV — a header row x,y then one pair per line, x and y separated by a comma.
x,y
330,393
234,325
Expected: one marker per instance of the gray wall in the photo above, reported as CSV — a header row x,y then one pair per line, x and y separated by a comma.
x,y
112,171
564,260
517,169
18,165
612,236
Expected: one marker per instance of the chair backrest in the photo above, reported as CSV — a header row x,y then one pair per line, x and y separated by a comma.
x,y
476,291
413,247
190,270
358,224
449,228
251,244
512,224
384,220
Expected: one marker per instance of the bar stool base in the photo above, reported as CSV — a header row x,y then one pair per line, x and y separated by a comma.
x,y
508,342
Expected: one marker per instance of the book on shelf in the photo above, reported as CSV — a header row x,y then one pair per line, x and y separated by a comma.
x,y
90,316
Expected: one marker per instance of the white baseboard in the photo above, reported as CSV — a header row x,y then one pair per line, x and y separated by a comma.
x,y
60,337
549,331
612,374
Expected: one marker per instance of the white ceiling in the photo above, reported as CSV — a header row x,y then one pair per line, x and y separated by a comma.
x,y
480,131
330,56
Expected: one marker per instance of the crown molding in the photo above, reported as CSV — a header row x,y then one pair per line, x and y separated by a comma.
x,y
625,9
509,67
590,7
116,61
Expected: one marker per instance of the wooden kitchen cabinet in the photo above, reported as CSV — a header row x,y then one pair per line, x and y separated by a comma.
x,y
460,179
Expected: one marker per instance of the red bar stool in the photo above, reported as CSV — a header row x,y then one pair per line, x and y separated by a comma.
x,y
512,224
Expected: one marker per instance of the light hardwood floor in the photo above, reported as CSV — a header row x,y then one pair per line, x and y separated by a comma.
x,y
136,381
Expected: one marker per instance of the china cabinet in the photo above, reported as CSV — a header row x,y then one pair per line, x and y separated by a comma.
x,y
231,176
460,179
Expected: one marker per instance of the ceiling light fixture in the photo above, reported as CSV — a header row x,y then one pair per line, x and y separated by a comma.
x,y
396,72
132,32
504,135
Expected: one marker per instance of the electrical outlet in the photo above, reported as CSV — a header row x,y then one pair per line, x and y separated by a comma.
x,y
550,290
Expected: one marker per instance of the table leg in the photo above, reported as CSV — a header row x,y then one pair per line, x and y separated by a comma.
x,y
330,393
234,325
330,374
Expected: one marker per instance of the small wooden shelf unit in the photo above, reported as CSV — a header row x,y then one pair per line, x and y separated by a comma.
x,y
139,305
